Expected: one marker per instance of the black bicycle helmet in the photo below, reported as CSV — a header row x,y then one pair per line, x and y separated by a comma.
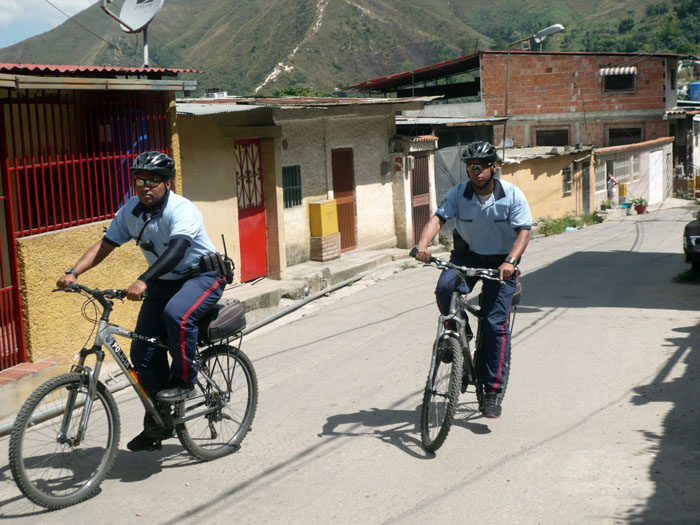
x,y
480,151
155,162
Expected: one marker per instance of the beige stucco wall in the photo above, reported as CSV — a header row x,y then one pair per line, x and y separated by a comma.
x,y
541,181
309,144
53,323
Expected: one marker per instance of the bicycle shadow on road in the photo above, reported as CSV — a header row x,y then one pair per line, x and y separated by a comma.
x,y
130,467
676,450
403,431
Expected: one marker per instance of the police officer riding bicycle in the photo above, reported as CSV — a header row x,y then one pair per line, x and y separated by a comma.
x,y
492,230
181,280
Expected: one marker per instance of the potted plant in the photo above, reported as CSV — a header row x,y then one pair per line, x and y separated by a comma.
x,y
640,205
606,204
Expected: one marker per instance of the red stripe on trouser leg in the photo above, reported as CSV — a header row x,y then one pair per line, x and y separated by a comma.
x,y
502,355
183,328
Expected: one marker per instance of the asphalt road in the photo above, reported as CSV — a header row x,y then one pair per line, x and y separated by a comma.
x,y
600,423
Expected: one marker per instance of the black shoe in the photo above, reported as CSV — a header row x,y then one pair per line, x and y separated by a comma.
x,y
175,394
492,405
144,442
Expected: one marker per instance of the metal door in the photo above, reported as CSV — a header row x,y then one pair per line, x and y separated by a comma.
x,y
420,196
252,229
656,169
344,193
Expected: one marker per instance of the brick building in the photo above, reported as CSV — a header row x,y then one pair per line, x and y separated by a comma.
x,y
554,98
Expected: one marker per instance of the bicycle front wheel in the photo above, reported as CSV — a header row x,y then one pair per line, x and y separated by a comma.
x,y
219,416
50,466
440,400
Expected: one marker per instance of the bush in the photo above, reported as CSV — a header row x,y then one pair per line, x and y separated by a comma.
x,y
554,226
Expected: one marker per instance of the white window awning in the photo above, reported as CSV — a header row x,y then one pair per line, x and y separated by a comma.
x,y
622,70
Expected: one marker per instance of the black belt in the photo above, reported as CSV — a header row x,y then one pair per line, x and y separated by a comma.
x,y
487,260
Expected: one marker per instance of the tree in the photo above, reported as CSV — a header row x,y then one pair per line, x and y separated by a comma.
x,y
296,91
626,25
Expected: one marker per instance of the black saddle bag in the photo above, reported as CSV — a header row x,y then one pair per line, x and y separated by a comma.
x,y
225,319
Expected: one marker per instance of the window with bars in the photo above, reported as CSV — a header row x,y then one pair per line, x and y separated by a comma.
x,y
552,137
620,136
567,180
69,152
622,170
600,177
291,186
619,83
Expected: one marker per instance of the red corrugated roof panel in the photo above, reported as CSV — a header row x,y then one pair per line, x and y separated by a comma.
x,y
100,71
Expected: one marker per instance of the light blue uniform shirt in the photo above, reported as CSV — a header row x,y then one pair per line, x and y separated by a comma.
x,y
488,228
175,217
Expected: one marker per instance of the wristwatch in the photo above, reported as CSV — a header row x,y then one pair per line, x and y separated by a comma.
x,y
71,270
510,260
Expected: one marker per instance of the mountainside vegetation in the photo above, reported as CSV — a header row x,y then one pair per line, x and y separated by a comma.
x,y
269,47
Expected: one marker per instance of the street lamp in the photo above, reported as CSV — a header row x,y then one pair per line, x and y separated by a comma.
x,y
538,38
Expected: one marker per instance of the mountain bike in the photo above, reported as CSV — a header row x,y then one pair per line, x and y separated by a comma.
x,y
65,437
454,366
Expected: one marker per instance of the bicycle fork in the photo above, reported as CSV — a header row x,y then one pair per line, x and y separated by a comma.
x,y
445,329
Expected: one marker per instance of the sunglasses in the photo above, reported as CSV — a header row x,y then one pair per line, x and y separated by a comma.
x,y
478,167
148,183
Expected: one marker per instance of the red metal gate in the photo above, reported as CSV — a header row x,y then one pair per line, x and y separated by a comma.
x,y
344,193
252,230
65,159
420,196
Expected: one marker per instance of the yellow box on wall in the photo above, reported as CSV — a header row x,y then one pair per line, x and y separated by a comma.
x,y
323,216
622,191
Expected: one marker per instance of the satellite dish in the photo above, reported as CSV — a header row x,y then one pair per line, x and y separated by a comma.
x,y
135,17
137,14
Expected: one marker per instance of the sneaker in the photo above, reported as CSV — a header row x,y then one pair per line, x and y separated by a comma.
x,y
492,405
175,394
144,442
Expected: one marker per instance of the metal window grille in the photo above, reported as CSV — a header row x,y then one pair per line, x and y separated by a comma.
x,y
69,153
635,167
567,179
552,137
291,186
622,170
619,82
600,177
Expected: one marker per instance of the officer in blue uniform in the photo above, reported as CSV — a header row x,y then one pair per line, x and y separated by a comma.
x,y
492,230
170,232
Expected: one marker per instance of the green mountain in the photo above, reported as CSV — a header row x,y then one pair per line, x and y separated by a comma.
x,y
259,46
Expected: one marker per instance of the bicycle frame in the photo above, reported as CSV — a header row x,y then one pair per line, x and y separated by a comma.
x,y
105,338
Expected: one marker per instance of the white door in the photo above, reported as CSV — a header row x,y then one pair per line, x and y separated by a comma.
x,y
656,172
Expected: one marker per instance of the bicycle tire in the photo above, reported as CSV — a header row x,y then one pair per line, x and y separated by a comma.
x,y
54,478
440,403
220,432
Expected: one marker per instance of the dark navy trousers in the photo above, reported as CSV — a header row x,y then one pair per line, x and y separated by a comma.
x,y
496,303
170,311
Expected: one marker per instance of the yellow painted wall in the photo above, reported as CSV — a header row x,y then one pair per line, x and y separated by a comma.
x,y
53,323
541,181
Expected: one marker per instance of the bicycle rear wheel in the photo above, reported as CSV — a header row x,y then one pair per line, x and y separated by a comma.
x,y
440,401
229,407
50,468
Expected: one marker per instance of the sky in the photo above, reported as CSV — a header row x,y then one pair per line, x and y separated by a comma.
x,y
21,19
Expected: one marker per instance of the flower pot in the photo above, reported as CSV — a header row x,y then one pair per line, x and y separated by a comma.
x,y
640,209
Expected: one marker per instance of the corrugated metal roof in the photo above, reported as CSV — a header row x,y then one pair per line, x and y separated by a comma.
x,y
91,70
518,155
211,106
448,121
212,109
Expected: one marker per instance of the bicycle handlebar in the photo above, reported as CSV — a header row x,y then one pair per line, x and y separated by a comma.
x,y
482,273
112,293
